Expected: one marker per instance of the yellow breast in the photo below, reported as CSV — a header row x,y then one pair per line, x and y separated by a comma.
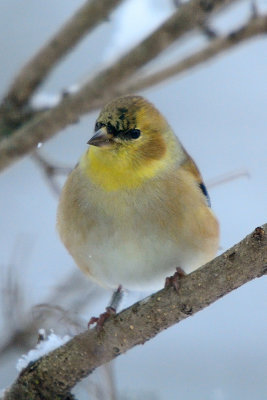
x,y
121,169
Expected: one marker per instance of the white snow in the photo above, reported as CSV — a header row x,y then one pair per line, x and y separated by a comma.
x,y
134,20
45,346
45,100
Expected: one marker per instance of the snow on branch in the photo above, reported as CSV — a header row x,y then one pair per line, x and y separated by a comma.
x,y
45,346
54,375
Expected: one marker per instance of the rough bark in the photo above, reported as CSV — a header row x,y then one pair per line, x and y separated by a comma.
x,y
53,376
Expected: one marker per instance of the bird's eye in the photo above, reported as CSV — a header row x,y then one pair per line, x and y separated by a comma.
x,y
134,133
98,126
111,130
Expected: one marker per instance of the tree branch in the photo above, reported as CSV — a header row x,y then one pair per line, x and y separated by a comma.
x,y
256,26
51,171
35,71
54,375
105,85
75,293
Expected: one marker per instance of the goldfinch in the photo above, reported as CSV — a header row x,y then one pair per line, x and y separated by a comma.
x,y
135,207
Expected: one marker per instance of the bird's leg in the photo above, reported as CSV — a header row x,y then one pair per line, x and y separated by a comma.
x,y
116,298
174,280
111,309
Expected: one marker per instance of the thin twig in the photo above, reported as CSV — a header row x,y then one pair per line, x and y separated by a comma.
x,y
105,85
51,171
79,294
231,176
55,374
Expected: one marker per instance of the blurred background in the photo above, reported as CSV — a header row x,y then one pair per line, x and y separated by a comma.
x,y
218,110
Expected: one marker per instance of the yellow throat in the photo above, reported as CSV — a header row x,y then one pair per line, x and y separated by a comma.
x,y
120,169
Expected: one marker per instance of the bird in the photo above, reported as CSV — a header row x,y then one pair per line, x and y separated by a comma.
x,y
135,207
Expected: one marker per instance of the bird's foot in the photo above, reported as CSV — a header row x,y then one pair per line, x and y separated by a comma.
x,y
174,280
110,310
99,321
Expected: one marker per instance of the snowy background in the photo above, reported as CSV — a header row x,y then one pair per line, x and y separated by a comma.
x,y
219,112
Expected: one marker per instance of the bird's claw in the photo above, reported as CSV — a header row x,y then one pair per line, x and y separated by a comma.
x,y
174,280
99,321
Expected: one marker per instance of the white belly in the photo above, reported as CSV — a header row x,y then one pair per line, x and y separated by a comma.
x,y
134,264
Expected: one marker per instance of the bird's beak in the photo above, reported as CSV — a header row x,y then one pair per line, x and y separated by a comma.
x,y
101,138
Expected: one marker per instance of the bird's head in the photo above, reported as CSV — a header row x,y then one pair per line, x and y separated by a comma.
x,y
132,142
132,125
